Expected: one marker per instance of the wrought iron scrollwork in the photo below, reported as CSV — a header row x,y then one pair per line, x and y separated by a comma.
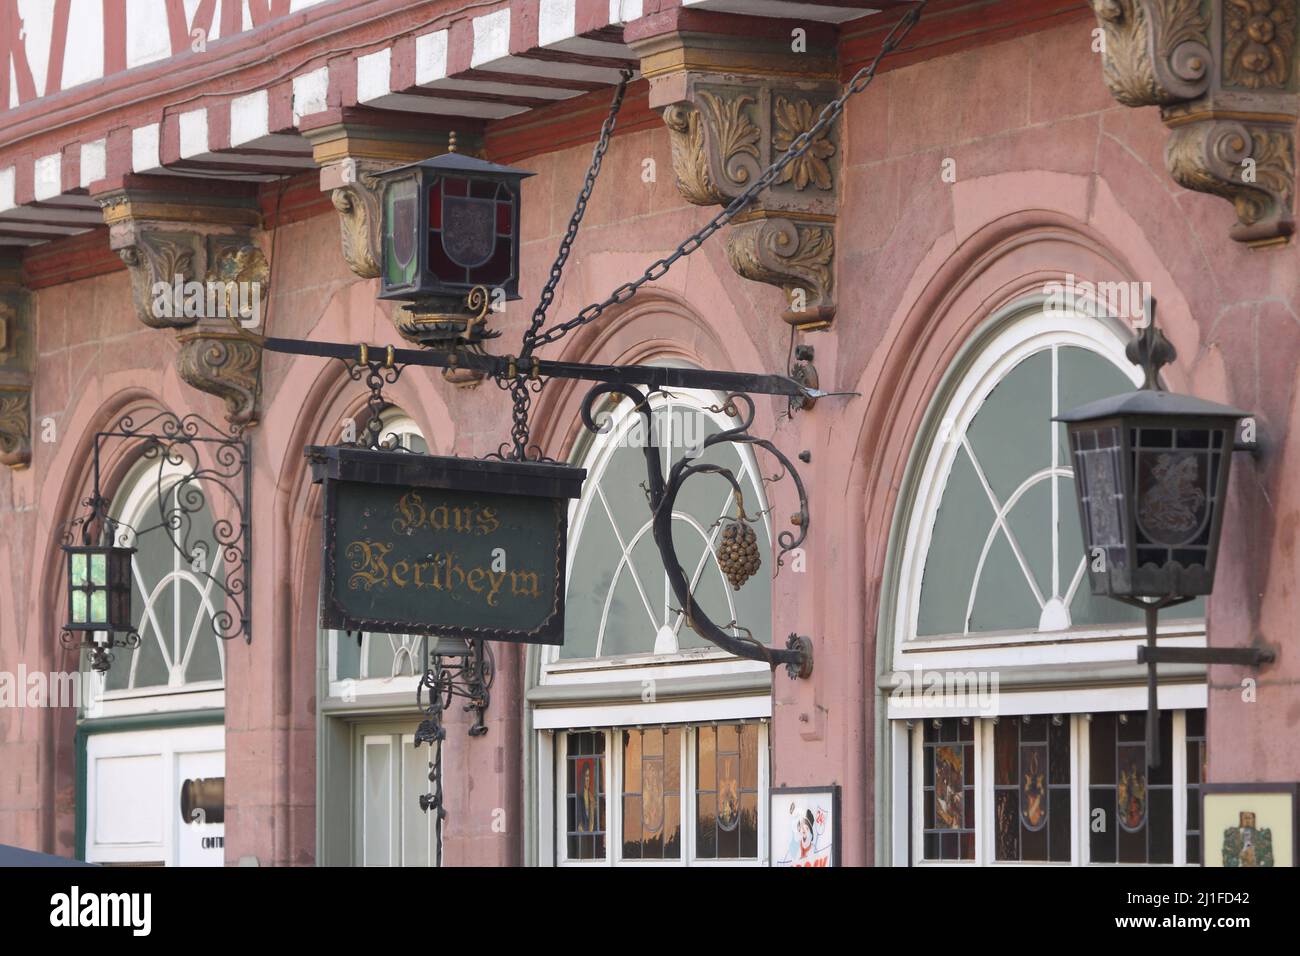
x,y
468,674
663,491
198,465
100,652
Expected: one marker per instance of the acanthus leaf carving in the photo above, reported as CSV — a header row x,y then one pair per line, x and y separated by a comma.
x,y
715,146
690,161
240,267
1157,52
15,425
1212,158
157,261
223,364
797,256
360,216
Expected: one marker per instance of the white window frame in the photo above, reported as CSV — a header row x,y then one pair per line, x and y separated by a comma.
x,y
1028,327
1036,332
178,695
614,799
1080,804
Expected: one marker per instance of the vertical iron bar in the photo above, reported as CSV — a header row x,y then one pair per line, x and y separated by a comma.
x,y
247,615
1153,711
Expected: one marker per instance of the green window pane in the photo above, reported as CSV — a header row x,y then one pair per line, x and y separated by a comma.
x,y
1011,434
347,657
79,607
98,605
99,569
78,570
959,531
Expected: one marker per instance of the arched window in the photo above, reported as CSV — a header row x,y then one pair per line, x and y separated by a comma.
x,y
619,601
175,595
176,676
1015,701
655,743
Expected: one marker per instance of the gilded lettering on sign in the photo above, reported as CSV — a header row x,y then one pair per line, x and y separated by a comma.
x,y
445,571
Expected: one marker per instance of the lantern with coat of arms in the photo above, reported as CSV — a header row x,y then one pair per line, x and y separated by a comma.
x,y
450,243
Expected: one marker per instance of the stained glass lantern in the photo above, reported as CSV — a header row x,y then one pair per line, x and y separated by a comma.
x,y
99,600
1151,474
450,224
99,588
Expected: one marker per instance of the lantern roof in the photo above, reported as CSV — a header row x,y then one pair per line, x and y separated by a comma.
x,y
454,162
1150,351
1149,402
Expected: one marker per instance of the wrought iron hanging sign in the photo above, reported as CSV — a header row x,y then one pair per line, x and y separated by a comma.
x,y
475,550
422,544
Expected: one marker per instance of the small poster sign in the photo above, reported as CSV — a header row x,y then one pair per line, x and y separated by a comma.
x,y
805,826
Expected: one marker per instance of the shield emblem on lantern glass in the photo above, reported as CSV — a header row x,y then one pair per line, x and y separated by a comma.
x,y
469,230
404,218
1173,495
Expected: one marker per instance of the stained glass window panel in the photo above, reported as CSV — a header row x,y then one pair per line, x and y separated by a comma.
x,y
948,794
1131,804
727,792
1031,789
652,794
585,796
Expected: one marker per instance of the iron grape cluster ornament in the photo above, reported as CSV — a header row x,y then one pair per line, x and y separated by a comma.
x,y
738,553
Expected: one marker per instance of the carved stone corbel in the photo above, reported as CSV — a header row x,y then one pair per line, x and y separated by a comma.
x,y
732,106
17,355
196,268
1224,79
215,359
360,216
729,116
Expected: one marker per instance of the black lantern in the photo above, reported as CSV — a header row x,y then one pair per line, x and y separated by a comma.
x,y
1151,471
1151,474
450,224
99,601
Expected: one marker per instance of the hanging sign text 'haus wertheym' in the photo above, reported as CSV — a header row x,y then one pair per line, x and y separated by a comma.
x,y
421,544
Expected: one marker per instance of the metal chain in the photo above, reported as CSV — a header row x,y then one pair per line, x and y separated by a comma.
x,y
519,390
861,80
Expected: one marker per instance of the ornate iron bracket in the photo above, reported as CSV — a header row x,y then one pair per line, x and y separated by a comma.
x,y
464,669
201,459
1150,654
797,655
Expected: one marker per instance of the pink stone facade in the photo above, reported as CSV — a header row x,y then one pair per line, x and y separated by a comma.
x,y
1052,177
